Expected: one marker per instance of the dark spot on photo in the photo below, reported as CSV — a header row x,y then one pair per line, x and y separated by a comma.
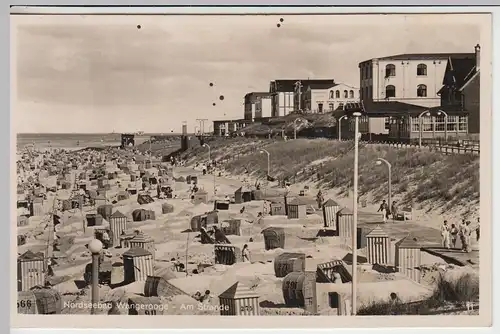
x,y
221,97
281,20
138,26
278,25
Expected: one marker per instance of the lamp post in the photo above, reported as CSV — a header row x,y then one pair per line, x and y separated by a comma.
x,y
95,247
340,126
379,161
445,124
420,126
295,128
355,215
196,130
209,160
208,146
268,161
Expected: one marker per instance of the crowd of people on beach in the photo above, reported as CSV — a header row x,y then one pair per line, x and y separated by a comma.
x,y
450,234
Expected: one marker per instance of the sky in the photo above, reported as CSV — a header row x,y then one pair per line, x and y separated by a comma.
x,y
87,74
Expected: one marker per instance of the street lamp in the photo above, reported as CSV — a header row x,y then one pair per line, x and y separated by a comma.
x,y
95,247
355,215
340,126
420,126
295,127
445,124
209,158
196,130
268,161
379,162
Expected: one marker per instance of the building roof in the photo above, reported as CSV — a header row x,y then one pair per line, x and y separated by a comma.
x,y
345,211
391,107
421,56
322,85
137,251
470,79
118,214
297,201
288,85
252,97
409,242
243,189
330,202
377,232
141,237
30,256
238,291
459,70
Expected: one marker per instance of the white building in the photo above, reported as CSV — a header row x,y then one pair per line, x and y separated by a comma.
x,y
320,98
408,78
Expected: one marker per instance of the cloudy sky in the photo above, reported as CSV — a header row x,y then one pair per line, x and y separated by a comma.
x,y
102,73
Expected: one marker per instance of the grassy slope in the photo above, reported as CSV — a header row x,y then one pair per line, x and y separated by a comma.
x,y
431,179
286,123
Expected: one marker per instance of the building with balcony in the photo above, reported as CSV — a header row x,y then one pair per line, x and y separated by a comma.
x,y
286,94
321,98
250,104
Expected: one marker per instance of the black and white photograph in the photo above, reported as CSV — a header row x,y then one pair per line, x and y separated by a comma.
x,y
249,165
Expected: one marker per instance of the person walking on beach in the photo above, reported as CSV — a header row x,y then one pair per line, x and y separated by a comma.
x,y
461,235
319,199
384,210
467,233
477,230
106,240
453,235
394,210
445,235
245,253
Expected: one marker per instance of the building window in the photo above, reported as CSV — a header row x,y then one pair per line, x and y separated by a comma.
x,y
439,125
320,107
337,94
351,94
345,94
390,71
390,91
421,69
369,92
362,73
421,90
462,124
370,74
430,124
452,123
387,123
331,106
331,94
341,106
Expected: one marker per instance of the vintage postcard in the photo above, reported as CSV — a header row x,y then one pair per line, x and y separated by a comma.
x,y
226,167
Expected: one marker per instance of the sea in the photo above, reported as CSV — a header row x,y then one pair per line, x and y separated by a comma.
x,y
76,141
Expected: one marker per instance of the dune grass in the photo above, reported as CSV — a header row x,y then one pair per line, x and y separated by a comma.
x,y
418,176
446,293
